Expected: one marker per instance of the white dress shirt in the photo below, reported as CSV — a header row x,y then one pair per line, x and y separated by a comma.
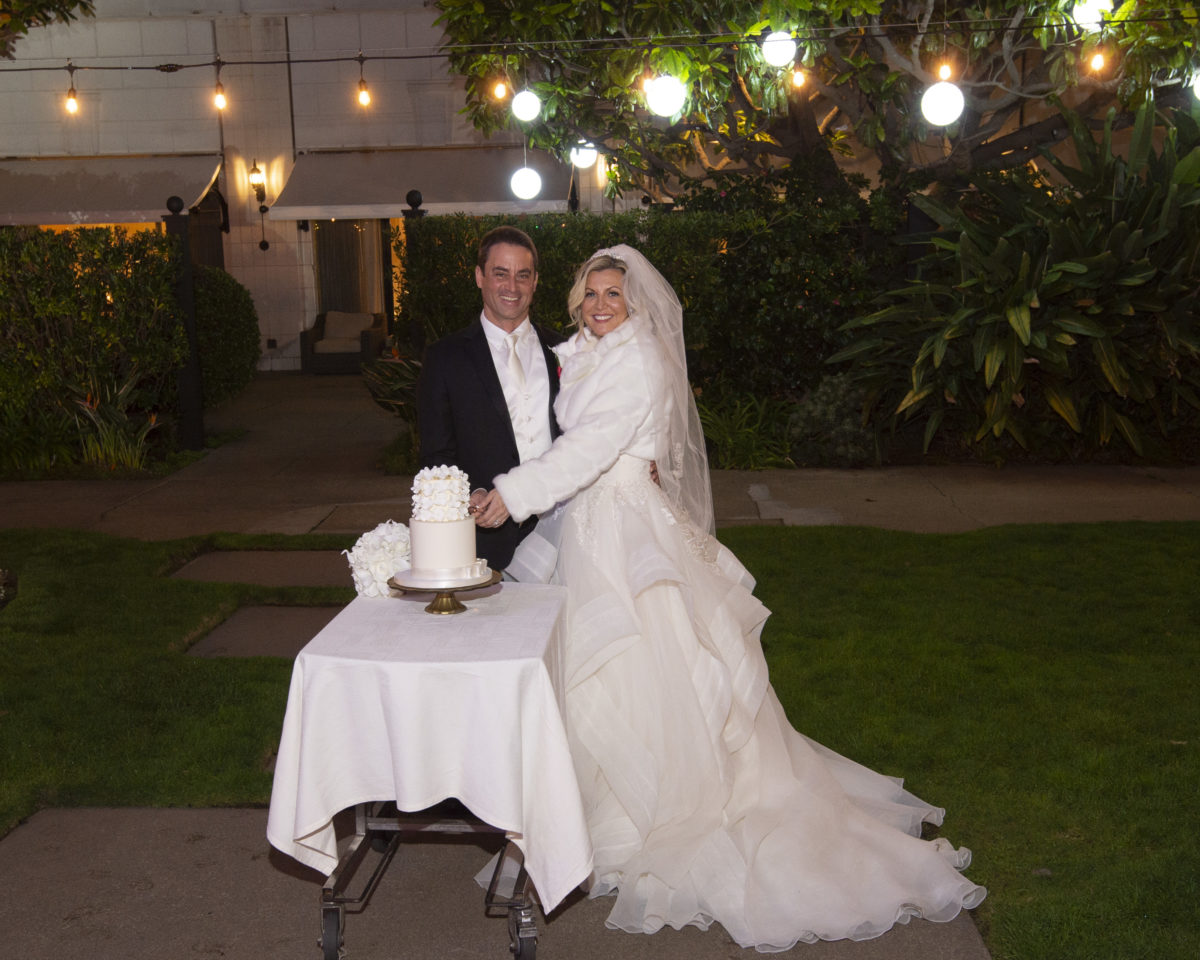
x,y
528,405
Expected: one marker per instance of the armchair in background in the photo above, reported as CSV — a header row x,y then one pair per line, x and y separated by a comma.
x,y
341,342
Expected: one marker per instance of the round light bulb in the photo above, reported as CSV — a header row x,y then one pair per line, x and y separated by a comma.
x,y
1089,14
526,106
583,155
779,49
665,95
944,72
500,90
942,103
1097,62
526,183
797,78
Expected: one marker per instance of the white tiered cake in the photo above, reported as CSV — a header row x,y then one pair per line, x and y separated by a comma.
x,y
442,532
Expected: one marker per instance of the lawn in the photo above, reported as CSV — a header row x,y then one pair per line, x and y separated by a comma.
x,y
1038,682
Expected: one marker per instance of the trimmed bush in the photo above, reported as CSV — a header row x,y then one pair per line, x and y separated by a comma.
x,y
227,336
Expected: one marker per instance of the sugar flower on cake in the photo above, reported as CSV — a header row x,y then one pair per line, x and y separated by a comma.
x,y
440,494
378,555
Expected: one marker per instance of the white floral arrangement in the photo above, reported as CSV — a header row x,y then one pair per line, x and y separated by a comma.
x,y
378,555
440,494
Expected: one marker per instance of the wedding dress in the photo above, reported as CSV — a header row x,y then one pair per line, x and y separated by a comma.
x,y
702,802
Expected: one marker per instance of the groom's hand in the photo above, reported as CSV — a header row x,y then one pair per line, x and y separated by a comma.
x,y
491,511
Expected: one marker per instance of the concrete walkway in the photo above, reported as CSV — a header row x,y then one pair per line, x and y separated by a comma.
x,y
100,884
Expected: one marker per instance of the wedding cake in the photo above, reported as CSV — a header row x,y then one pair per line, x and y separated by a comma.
x,y
441,532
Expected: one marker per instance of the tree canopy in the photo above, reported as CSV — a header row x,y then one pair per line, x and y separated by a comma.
x,y
865,65
18,17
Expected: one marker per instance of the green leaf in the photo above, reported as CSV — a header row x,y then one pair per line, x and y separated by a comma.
x,y
1062,404
1105,352
914,397
1080,324
1021,321
992,363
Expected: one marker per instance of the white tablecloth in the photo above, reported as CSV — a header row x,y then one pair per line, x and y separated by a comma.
x,y
391,703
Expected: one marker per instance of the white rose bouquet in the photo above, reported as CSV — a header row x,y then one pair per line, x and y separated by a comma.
x,y
378,555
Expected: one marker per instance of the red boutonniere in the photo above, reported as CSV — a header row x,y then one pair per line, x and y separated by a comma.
x,y
558,373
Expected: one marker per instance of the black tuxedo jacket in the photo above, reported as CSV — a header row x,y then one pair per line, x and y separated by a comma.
x,y
464,422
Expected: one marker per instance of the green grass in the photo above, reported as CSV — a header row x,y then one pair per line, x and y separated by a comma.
x,y
1038,682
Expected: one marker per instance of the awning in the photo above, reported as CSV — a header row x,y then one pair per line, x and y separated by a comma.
x,y
373,185
81,190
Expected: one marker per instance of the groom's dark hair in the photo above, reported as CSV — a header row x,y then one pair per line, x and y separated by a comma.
x,y
505,234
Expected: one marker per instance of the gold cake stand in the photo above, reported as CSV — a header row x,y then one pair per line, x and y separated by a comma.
x,y
444,600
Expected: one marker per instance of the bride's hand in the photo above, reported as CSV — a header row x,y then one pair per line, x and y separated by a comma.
x,y
491,510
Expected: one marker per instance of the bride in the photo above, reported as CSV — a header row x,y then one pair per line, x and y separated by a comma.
x,y
702,802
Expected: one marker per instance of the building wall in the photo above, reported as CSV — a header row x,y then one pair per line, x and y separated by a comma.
x,y
276,109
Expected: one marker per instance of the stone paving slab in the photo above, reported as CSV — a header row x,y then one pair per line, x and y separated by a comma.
x,y
270,568
176,883
264,631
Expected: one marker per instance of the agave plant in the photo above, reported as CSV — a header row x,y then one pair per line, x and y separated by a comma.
x,y
1070,296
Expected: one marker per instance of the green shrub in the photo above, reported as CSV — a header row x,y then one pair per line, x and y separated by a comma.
x,y
88,311
227,335
1054,317
826,428
392,382
744,432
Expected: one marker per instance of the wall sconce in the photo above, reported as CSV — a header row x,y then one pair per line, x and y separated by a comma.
x,y
258,181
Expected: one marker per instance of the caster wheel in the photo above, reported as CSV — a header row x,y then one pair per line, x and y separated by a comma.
x,y
522,933
331,934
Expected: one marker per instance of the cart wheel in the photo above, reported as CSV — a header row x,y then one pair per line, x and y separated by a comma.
x,y
331,933
522,933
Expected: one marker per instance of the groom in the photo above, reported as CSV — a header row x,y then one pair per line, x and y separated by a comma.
x,y
486,394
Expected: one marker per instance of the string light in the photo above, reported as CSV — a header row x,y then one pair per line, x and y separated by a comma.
x,y
526,183
526,105
72,102
798,78
219,99
500,90
583,154
665,95
1089,14
779,49
943,102
1097,62
364,95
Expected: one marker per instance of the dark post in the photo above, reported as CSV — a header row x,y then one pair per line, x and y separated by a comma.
x,y
191,397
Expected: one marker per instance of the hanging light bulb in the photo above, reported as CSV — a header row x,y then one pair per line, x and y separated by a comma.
x,y
364,95
798,78
1089,14
583,154
526,183
943,102
1097,62
72,101
526,106
664,95
779,49
219,99
500,90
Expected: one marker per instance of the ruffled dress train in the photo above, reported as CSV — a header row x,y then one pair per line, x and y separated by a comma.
x,y
703,803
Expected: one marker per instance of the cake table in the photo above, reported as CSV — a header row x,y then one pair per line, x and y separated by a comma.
x,y
389,704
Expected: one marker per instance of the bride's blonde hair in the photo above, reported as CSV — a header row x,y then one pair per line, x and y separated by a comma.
x,y
601,261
